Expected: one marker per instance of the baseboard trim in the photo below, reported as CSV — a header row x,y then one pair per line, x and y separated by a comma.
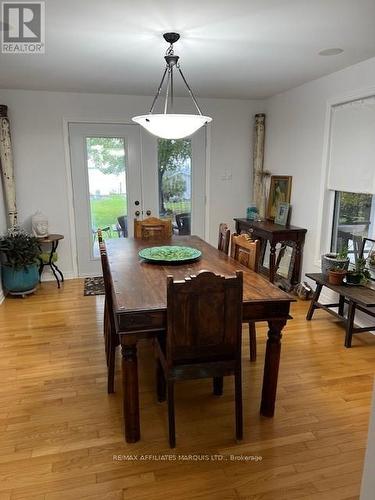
x,y
48,276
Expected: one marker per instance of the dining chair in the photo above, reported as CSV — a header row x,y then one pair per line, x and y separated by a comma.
x,y
224,238
111,337
122,226
203,338
183,223
247,252
152,228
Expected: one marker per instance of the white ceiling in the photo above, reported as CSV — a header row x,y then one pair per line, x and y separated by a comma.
x,y
237,49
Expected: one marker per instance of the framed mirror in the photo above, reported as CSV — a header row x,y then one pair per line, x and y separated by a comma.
x,y
285,259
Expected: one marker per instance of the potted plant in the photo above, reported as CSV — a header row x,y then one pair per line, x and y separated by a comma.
x,y
371,259
332,260
336,275
359,274
20,262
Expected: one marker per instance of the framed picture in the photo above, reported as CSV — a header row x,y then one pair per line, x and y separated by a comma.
x,y
280,189
282,214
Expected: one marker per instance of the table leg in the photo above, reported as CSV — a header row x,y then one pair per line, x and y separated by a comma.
x,y
349,324
53,266
271,367
296,275
50,263
313,302
272,262
341,305
130,390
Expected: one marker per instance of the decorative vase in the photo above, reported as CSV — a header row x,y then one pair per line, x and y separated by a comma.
x,y
251,212
332,261
20,281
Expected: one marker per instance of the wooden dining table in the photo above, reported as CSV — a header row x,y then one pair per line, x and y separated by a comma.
x,y
140,307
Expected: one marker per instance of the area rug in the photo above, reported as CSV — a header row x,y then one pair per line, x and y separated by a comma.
x,y
94,286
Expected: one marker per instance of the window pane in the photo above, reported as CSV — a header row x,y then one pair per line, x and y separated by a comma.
x,y
353,220
107,184
174,174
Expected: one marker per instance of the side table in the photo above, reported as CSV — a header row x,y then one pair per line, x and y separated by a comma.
x,y
274,234
53,241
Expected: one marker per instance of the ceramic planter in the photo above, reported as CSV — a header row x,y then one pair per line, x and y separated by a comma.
x,y
20,281
335,277
332,261
353,278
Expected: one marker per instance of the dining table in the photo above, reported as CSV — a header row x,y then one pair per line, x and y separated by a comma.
x,y
140,309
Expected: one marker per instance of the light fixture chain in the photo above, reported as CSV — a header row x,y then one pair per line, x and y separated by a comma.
x,y
158,91
167,91
190,91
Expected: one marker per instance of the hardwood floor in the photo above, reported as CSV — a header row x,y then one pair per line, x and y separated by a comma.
x,y
61,434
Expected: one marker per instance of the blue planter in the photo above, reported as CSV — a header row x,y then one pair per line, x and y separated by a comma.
x,y
18,281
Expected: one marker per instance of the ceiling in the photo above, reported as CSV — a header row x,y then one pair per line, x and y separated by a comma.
x,y
232,49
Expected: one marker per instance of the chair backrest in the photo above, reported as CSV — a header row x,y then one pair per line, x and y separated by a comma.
x,y
108,287
224,238
246,251
204,318
123,223
183,223
152,228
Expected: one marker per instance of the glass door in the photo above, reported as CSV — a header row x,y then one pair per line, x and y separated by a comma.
x,y
174,178
106,170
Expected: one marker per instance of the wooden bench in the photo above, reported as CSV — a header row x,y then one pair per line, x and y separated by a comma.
x,y
358,298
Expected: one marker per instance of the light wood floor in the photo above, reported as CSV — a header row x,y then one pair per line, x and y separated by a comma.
x,y
59,431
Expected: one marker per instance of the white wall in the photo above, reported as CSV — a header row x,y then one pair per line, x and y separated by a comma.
x,y
295,137
2,230
39,154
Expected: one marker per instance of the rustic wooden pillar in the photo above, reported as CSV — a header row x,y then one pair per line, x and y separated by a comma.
x,y
6,164
258,162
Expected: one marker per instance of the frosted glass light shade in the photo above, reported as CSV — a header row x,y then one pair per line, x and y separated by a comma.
x,y
171,126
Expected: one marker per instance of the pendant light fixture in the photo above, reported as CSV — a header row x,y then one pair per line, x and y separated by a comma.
x,y
169,125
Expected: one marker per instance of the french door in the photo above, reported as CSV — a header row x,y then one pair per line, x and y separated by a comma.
x,y
121,173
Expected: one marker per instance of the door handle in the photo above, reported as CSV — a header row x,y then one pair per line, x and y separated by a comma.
x,y
137,213
148,212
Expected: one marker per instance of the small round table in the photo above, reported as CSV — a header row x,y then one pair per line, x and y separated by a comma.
x,y
53,240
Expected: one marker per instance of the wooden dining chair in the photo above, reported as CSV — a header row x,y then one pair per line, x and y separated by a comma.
x,y
152,228
203,338
247,252
224,238
111,337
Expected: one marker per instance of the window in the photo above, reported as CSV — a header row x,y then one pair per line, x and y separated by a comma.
x,y
353,220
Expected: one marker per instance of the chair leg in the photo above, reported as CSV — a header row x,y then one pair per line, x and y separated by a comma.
x,y
252,341
160,382
238,399
171,418
218,386
111,364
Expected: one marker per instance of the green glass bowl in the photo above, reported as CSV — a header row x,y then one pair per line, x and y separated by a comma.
x,y
170,254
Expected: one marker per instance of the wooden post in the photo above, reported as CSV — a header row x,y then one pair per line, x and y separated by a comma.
x,y
6,164
258,161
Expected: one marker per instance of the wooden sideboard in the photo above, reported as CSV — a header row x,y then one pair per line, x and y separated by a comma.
x,y
267,231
